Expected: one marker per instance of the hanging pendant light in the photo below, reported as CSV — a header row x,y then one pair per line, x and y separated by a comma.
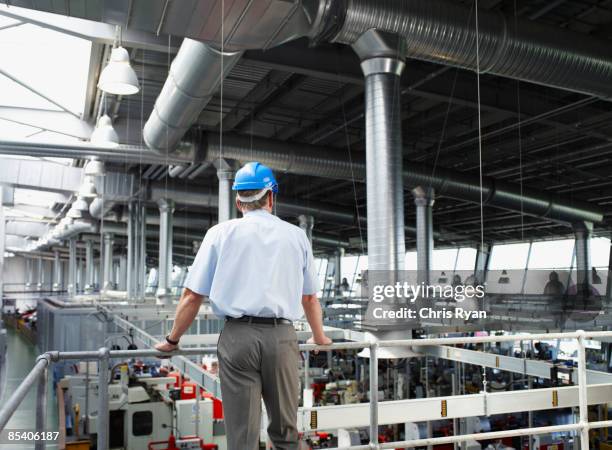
x,y
118,77
104,134
88,188
95,168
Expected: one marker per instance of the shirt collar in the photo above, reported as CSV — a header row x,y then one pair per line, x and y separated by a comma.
x,y
257,212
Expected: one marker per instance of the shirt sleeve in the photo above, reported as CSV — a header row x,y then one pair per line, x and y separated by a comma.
x,y
311,281
202,271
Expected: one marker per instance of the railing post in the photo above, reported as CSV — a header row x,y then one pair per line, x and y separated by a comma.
x,y
103,419
582,392
373,395
41,404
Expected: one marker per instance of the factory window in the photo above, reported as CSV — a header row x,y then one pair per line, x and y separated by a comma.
x,y
411,261
600,253
142,423
444,259
552,254
466,259
509,256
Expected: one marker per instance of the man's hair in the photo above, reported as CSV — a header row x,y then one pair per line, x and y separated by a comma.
x,y
257,204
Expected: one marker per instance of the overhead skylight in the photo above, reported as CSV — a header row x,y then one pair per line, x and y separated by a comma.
x,y
54,64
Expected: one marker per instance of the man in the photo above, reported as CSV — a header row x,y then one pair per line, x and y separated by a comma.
x,y
255,270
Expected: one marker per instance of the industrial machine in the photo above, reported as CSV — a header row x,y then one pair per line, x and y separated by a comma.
x,y
148,411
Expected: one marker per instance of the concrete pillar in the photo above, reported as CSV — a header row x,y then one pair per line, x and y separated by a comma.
x,y
424,201
166,210
107,267
307,224
29,275
227,205
89,266
123,273
57,271
72,267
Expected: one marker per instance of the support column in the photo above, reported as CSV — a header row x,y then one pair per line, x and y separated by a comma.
x,y
166,210
227,205
424,201
57,271
107,267
142,259
307,224
481,266
29,273
584,278
89,266
72,267
2,250
40,274
338,270
131,250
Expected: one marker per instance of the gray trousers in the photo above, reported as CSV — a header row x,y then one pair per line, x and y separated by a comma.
x,y
255,361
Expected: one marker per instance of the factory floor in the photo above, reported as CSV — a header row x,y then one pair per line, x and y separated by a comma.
x,y
21,356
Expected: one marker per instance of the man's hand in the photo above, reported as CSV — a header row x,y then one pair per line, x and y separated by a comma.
x,y
319,340
165,347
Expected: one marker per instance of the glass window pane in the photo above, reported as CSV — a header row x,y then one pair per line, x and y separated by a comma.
x,y
509,256
411,261
444,259
466,259
552,254
600,252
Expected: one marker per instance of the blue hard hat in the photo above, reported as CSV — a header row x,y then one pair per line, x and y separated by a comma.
x,y
254,175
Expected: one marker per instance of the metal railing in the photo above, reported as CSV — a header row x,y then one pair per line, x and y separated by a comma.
x,y
38,377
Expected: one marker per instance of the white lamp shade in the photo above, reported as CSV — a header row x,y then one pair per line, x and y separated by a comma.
x,y
74,213
80,204
95,168
104,134
118,77
88,189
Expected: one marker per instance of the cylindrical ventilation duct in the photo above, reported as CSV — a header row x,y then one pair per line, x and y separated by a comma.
x,y
195,76
107,268
226,199
582,243
424,200
323,162
444,32
166,210
89,266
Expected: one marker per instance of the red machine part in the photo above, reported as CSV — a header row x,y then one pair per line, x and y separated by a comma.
x,y
177,380
217,405
189,390
171,444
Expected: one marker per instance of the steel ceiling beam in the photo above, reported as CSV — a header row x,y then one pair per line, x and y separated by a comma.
x,y
98,32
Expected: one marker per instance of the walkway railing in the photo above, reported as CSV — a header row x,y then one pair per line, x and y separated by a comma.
x,y
38,377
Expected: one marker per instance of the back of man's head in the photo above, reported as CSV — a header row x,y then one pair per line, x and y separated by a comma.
x,y
255,204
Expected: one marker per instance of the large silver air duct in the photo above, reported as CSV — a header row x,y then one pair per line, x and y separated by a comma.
x,y
444,32
195,75
382,64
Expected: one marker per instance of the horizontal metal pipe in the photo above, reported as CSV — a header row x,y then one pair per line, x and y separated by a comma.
x,y
122,154
305,159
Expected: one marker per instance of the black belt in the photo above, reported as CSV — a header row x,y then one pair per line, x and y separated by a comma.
x,y
264,320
